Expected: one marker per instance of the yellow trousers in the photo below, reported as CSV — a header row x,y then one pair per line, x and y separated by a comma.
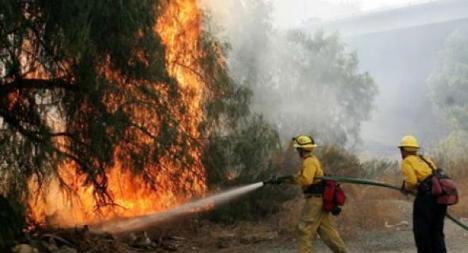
x,y
314,220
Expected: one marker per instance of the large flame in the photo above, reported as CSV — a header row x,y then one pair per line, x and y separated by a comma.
x,y
179,28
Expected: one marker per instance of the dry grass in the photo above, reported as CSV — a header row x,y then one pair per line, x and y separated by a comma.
x,y
367,208
370,209
461,209
455,163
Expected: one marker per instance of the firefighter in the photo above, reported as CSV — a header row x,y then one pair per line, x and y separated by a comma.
x,y
314,220
428,216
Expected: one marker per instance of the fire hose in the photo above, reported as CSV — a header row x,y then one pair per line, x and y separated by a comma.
x,y
361,181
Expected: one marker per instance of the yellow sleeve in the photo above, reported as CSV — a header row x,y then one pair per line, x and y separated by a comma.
x,y
307,174
411,181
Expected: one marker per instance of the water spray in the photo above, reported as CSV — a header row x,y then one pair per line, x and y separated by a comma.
x,y
138,223
368,182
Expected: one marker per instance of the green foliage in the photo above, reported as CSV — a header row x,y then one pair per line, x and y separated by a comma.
x,y
225,101
449,81
246,155
240,150
241,147
243,156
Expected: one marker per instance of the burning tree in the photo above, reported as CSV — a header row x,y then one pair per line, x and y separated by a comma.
x,y
109,102
113,108
74,74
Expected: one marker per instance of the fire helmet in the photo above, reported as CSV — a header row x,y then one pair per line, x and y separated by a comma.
x,y
409,142
304,142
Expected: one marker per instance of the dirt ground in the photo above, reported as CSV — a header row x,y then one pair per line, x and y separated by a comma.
x,y
198,235
386,229
392,240
378,225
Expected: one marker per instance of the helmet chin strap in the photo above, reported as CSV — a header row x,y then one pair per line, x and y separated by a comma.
x,y
304,153
405,153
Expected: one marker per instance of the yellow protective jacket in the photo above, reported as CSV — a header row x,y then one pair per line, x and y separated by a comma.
x,y
311,169
415,170
314,220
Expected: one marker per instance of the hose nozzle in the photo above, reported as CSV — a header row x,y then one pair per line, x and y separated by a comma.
x,y
269,181
275,180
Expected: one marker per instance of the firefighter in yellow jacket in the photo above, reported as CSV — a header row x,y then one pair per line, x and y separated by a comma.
x,y
314,220
428,216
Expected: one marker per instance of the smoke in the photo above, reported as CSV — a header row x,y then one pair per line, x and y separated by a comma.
x,y
294,96
302,83
137,223
400,48
294,13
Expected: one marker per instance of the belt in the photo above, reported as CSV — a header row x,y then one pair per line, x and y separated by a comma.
x,y
315,189
309,195
425,187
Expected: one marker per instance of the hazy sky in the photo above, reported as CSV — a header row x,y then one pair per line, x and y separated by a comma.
x,y
373,4
291,13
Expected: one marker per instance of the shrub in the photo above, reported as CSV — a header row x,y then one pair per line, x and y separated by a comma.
x,y
338,161
247,155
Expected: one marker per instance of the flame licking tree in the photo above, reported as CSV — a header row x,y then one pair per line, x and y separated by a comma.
x,y
101,106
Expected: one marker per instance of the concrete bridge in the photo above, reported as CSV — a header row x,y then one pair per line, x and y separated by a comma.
x,y
433,12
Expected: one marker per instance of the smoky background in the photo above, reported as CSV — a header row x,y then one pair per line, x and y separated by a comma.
x,y
281,51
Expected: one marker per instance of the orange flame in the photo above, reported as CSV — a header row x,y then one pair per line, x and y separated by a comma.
x,y
179,28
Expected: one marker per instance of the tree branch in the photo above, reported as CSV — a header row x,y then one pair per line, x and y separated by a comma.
x,y
42,84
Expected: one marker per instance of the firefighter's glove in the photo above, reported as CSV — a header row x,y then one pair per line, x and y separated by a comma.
x,y
336,211
277,180
274,181
286,179
403,189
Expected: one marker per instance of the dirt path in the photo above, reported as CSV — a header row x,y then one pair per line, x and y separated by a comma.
x,y
246,237
390,241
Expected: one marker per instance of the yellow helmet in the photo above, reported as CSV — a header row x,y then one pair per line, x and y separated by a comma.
x,y
305,142
409,142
